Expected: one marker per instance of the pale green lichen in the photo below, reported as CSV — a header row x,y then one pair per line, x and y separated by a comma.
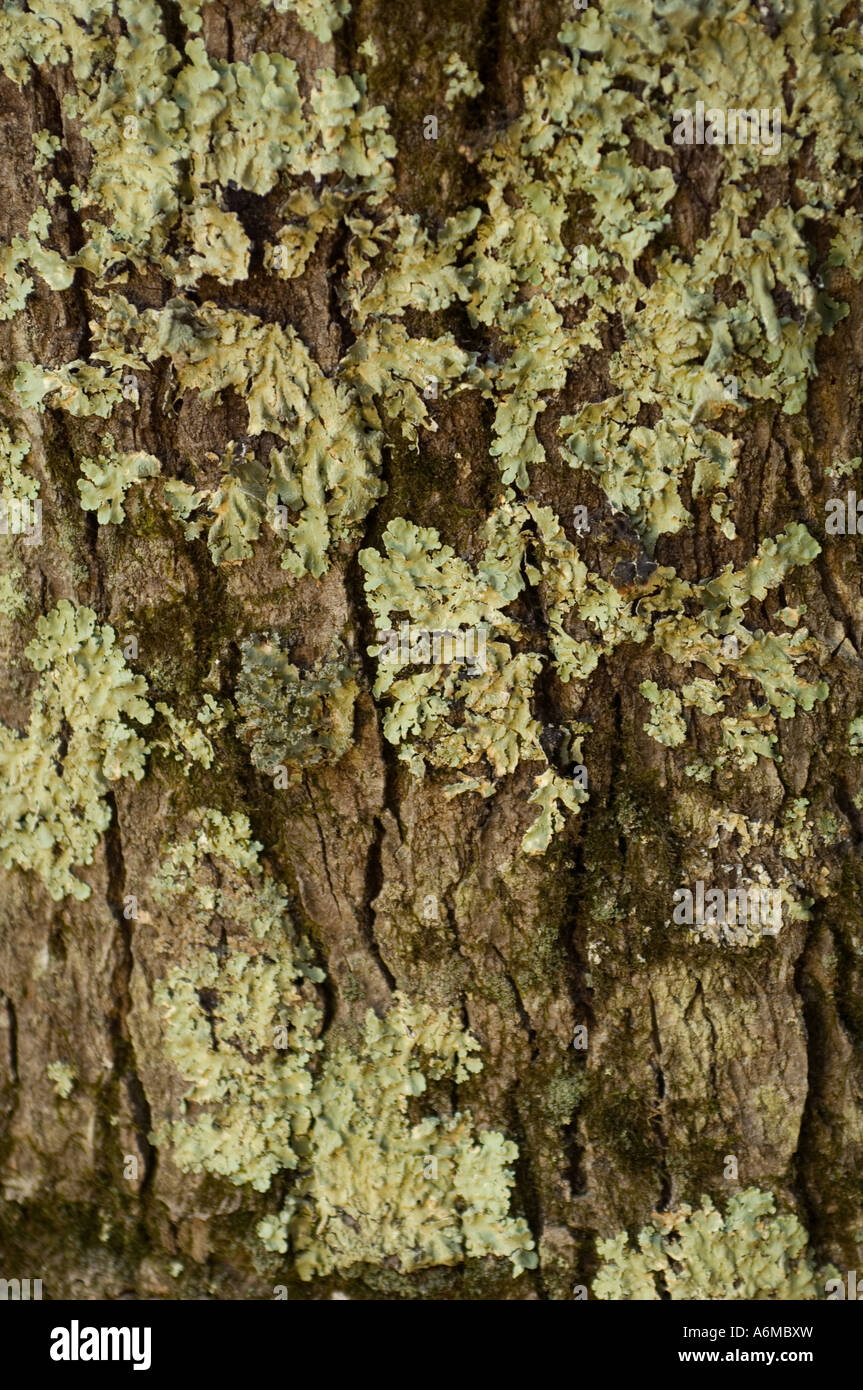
x,y
13,600
376,1179
247,1097
15,484
78,742
666,723
293,720
570,241
766,870
462,714
319,488
843,469
321,17
750,1253
170,131
369,49
188,742
463,81
387,1183
29,251
397,264
78,387
46,146
108,477
797,833
63,1077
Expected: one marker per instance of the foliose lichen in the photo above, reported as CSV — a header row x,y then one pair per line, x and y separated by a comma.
x,y
385,1183
292,719
78,742
241,1021
749,1253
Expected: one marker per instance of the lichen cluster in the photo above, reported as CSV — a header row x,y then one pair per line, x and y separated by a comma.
x,y
291,720
749,1253
78,742
578,242
225,1006
376,1180
171,132
383,1186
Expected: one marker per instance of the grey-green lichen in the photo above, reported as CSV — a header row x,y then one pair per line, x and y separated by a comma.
x,y
463,714
189,742
318,489
170,131
78,742
463,81
321,17
224,1010
779,857
108,477
452,716
750,1253
31,253
666,723
16,485
578,192
376,1179
387,1183
294,720
63,1077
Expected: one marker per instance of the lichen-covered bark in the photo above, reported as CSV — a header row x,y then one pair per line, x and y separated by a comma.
x,y
697,1049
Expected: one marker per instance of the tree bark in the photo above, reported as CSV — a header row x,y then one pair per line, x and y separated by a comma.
x,y
695,1051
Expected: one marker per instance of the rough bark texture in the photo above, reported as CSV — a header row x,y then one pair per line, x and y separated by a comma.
x,y
695,1051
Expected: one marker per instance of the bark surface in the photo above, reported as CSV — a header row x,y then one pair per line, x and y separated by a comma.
x,y
695,1051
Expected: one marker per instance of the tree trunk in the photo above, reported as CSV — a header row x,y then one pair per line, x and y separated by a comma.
x,y
637,1061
